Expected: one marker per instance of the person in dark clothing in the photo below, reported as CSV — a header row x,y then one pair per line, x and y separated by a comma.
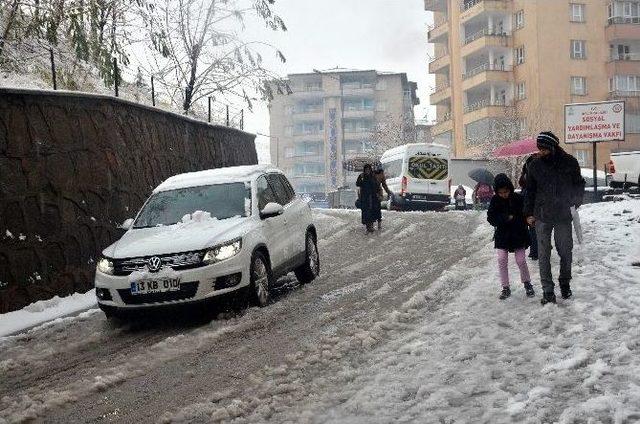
x,y
506,214
382,184
368,195
554,185
533,251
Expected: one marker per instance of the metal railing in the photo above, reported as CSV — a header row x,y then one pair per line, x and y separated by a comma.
x,y
485,32
444,118
624,93
444,53
437,24
468,4
440,87
625,57
486,67
624,20
485,103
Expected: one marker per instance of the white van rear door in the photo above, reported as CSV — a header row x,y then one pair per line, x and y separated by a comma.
x,y
427,174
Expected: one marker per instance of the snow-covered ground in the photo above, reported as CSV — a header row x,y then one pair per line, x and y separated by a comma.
x,y
45,311
391,332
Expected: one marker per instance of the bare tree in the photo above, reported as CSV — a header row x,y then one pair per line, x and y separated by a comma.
x,y
516,124
393,131
203,53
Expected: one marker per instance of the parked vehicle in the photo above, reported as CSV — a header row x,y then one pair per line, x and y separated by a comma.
x,y
204,234
627,169
418,175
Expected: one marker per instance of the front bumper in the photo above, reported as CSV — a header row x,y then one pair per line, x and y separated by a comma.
x,y
197,284
415,201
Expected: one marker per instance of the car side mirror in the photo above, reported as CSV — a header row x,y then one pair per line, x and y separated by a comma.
x,y
126,225
270,210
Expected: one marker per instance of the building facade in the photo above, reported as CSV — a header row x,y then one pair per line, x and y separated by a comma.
x,y
330,117
505,69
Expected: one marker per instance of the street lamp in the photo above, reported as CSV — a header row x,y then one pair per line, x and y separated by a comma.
x,y
344,175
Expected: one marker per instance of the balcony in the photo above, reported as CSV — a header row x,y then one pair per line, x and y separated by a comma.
x,y
486,109
472,8
624,64
359,113
440,94
622,28
485,39
301,93
309,115
437,32
435,5
443,124
487,73
621,94
309,136
440,62
485,103
364,90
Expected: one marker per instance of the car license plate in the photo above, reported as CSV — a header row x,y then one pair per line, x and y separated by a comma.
x,y
419,197
155,286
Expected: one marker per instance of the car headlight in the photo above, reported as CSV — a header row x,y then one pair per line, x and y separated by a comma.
x,y
222,251
105,266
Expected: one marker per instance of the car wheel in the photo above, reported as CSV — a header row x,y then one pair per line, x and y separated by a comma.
x,y
260,280
308,272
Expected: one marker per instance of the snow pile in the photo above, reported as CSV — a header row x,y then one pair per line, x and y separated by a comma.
x,y
164,273
197,217
45,310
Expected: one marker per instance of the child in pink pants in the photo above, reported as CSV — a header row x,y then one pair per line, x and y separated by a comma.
x,y
511,233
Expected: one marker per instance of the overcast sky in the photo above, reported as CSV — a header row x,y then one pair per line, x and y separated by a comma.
x,y
385,35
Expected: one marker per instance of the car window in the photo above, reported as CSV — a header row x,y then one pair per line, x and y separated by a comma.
x,y
393,169
289,187
282,194
264,193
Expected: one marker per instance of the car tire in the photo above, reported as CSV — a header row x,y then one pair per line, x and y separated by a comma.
x,y
308,271
260,274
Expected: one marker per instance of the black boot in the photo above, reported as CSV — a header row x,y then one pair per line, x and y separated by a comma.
x,y
506,292
548,298
528,288
565,291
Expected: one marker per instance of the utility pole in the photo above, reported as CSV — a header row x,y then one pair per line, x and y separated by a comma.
x,y
209,108
242,119
227,115
116,74
153,92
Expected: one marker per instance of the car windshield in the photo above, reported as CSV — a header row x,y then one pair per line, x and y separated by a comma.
x,y
222,201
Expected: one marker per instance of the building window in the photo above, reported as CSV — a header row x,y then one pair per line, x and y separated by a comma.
x,y
582,156
624,12
521,91
579,86
519,53
313,86
625,83
621,52
578,49
522,126
288,152
308,169
576,11
519,18
360,104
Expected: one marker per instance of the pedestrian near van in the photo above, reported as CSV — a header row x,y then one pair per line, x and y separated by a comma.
x,y
522,182
381,179
482,195
460,198
368,197
554,185
506,214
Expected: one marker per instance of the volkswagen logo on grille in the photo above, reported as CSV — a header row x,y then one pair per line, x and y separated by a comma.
x,y
154,264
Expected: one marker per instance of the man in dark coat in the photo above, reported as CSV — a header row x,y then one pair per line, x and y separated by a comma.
x,y
533,252
368,195
554,185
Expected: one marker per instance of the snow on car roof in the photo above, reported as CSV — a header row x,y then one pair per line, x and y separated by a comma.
x,y
214,176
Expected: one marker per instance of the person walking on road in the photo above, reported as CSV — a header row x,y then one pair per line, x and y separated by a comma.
x,y
554,185
381,179
506,214
368,196
522,182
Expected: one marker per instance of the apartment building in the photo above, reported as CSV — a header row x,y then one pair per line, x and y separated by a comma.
x,y
331,117
505,69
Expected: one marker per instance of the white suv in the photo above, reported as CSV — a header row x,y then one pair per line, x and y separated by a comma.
x,y
204,234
